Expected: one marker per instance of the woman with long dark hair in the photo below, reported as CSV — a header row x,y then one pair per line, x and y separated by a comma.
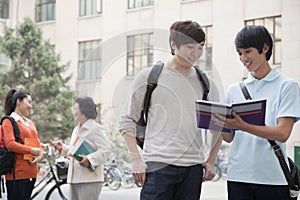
x,y
20,183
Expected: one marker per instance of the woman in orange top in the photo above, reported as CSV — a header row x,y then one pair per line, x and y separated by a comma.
x,y
20,183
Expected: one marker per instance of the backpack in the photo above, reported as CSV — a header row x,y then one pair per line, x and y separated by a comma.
x,y
8,158
151,85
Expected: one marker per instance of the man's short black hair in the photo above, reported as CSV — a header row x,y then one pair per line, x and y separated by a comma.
x,y
255,36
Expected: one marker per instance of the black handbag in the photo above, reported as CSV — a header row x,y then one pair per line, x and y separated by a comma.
x,y
292,176
7,158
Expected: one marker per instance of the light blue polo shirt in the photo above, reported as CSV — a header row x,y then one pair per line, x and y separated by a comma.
x,y
252,159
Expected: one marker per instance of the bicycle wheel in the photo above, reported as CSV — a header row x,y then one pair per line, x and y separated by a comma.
x,y
218,173
113,179
223,167
127,178
54,192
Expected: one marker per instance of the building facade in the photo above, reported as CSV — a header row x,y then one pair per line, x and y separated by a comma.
x,y
108,41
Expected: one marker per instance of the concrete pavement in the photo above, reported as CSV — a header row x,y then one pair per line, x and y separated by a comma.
x,y
210,191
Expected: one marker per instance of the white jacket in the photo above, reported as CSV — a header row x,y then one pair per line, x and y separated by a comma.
x,y
94,134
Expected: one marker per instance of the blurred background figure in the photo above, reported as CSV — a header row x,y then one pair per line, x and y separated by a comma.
x,y
86,176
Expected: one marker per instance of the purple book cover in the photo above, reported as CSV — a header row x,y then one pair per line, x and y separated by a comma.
x,y
253,112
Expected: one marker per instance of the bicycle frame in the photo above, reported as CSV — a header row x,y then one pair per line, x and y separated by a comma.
x,y
49,177
112,177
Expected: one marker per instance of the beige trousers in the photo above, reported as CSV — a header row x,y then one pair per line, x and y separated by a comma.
x,y
83,191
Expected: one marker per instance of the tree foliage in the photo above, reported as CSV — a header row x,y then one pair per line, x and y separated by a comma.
x,y
35,68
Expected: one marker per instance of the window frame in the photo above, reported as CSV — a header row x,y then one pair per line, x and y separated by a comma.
x,y
205,61
89,65
45,10
93,10
133,4
4,9
139,53
275,31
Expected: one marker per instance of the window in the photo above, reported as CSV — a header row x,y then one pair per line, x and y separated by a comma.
x,y
90,7
45,10
89,60
205,61
4,60
139,3
273,24
4,9
139,53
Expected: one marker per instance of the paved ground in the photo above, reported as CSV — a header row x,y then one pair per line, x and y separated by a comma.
x,y
210,191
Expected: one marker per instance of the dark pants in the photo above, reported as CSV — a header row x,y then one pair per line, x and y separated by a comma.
x,y
19,189
248,191
169,182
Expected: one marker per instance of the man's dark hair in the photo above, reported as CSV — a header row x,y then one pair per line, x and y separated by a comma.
x,y
87,107
185,32
255,37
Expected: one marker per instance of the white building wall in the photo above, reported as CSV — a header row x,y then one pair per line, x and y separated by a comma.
x,y
117,22
291,53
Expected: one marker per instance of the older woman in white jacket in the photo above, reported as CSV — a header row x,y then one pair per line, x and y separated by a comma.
x,y
86,183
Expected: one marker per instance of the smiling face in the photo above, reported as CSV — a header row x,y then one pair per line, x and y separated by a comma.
x,y
254,45
24,106
78,116
252,59
188,54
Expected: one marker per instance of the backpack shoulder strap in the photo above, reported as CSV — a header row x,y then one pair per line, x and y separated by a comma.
x,y
205,82
15,128
151,85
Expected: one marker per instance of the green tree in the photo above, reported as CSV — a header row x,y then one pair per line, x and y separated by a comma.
x,y
35,68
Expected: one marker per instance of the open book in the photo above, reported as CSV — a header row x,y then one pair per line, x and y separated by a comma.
x,y
252,111
81,147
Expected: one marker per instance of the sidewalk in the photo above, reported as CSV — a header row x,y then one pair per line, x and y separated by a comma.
x,y
210,191
214,190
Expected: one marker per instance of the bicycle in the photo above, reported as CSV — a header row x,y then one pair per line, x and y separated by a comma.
x,y
220,167
218,173
60,189
112,177
127,180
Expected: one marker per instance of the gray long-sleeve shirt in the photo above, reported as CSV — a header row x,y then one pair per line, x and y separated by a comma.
x,y
172,135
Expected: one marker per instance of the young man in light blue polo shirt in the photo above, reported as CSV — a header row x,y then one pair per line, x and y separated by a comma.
x,y
254,172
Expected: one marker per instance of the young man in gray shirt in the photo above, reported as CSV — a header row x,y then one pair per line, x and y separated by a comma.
x,y
174,155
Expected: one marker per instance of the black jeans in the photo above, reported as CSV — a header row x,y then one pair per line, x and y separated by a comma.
x,y
249,191
169,182
19,189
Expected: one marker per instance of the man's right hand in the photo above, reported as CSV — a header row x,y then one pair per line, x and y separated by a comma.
x,y
139,171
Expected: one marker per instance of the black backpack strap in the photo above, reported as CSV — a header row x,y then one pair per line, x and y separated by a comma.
x,y
245,90
15,128
205,82
282,163
16,134
151,85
